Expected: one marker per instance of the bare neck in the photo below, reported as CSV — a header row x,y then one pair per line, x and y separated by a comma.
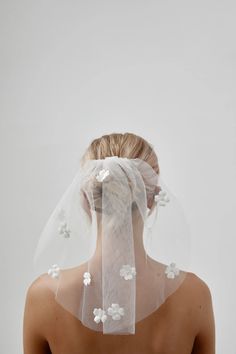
x,y
139,250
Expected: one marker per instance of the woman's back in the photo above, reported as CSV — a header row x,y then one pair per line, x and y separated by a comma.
x,y
184,324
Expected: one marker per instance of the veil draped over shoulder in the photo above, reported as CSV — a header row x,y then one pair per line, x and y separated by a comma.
x,y
116,246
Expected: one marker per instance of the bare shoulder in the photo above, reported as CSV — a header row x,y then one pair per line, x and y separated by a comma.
x,y
197,287
196,292
200,300
37,314
43,288
40,298
37,284
40,289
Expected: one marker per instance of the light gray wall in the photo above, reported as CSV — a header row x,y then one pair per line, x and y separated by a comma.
x,y
73,70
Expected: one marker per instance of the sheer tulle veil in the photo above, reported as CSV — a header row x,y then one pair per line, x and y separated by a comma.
x,y
116,246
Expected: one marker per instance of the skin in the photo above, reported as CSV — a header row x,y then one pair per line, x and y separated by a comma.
x,y
184,324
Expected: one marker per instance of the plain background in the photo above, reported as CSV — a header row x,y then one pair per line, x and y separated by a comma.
x,y
74,70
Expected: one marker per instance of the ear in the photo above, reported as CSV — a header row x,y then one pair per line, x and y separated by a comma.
x,y
150,200
86,204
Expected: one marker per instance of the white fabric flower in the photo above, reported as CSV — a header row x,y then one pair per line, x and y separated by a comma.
x,y
87,278
54,271
161,198
115,311
171,271
127,272
63,230
102,175
100,315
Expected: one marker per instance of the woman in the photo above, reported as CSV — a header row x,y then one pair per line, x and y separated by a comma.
x,y
183,320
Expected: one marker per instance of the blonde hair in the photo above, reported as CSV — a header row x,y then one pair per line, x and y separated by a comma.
x,y
122,145
126,145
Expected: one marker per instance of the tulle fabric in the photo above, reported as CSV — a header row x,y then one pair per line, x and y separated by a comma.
x,y
90,250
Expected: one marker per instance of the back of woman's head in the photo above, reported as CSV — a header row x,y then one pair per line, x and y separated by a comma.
x,y
127,145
